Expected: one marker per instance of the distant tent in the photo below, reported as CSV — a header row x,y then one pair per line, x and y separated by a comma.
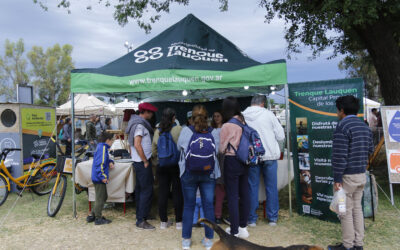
x,y
85,105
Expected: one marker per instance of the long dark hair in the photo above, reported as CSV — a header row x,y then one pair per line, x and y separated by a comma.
x,y
230,108
167,120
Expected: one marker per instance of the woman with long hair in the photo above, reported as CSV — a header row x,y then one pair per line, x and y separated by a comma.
x,y
235,173
168,175
196,179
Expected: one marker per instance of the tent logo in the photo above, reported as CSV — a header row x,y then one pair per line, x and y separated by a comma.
x,y
190,51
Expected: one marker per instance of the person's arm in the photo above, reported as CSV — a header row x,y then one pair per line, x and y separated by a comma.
x,y
340,150
104,157
278,129
154,152
139,150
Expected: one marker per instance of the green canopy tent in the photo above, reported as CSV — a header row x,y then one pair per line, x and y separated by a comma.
x,y
189,60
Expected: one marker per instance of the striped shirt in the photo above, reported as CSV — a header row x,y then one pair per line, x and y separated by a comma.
x,y
352,145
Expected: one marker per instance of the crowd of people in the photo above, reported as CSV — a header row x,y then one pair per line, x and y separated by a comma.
x,y
199,163
201,169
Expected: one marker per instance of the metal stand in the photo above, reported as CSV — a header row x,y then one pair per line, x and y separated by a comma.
x,y
288,147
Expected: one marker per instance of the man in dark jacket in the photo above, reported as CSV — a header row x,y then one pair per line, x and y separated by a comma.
x,y
352,146
67,136
140,138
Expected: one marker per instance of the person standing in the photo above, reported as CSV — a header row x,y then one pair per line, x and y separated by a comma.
x,y
108,124
373,119
271,134
99,126
216,123
100,177
235,172
168,175
91,133
198,174
67,136
352,146
140,138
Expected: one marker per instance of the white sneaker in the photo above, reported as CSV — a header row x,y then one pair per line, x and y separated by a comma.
x,y
179,225
165,225
272,224
253,224
228,231
243,233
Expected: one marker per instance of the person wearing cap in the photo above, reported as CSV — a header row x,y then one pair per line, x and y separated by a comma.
x,y
189,118
140,136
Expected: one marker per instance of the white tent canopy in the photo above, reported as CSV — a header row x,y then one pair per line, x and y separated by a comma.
x,y
86,105
121,106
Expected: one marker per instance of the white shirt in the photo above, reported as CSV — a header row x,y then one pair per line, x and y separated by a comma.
x,y
146,143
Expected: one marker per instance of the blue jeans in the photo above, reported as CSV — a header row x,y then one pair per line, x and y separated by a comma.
x,y
198,209
190,183
269,170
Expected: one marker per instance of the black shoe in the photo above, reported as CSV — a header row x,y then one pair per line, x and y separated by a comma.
x,y
90,218
218,221
338,247
145,226
358,248
101,221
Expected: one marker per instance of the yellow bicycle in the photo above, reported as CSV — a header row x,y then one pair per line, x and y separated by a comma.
x,y
40,179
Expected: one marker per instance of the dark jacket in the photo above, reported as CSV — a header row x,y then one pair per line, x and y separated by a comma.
x,y
67,131
90,131
352,145
101,163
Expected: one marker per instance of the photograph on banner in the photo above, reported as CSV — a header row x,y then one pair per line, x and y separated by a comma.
x,y
301,125
305,182
304,161
393,125
302,143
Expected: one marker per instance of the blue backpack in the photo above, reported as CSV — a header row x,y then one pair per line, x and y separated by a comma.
x,y
61,134
200,155
168,154
250,148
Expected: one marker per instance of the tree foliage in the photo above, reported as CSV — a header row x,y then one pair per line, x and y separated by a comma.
x,y
51,73
13,69
360,64
347,26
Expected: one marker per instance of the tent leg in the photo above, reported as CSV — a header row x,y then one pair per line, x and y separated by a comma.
x,y
73,154
288,147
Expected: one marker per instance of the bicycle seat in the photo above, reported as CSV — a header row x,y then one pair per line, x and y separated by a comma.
x,y
37,157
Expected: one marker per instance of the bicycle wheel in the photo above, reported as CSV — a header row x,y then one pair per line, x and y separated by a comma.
x,y
3,190
56,199
46,176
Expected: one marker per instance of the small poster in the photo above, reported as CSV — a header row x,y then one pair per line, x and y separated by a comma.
x,y
391,131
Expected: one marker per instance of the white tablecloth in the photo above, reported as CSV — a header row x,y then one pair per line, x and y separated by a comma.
x,y
122,180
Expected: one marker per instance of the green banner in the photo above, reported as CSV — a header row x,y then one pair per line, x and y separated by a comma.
x,y
313,120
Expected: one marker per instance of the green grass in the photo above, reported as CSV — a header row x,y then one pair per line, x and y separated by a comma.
x,y
381,234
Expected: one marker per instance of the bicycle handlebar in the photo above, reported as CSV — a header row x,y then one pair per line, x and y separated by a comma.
x,y
3,155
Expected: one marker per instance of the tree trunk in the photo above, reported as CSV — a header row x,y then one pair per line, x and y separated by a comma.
x,y
380,41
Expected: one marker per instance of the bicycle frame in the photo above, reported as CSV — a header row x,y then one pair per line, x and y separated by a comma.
x,y
22,180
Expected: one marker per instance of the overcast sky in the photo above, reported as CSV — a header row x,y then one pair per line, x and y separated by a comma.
x,y
98,39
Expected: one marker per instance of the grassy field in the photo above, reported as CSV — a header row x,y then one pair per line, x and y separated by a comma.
x,y
28,226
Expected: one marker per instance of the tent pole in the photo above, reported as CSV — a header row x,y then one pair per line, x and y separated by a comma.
x,y
73,154
287,117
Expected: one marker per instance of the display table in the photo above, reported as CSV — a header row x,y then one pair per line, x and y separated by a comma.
x,y
121,181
